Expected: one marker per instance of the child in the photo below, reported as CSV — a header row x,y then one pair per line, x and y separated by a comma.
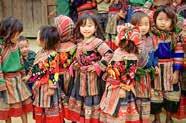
x,y
45,75
27,55
165,89
116,15
102,12
92,57
66,50
147,62
15,98
118,101
181,113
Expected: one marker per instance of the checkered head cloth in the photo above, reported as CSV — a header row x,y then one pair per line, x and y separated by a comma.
x,y
65,27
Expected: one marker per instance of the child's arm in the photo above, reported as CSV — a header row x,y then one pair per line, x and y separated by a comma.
x,y
178,57
178,61
2,80
106,54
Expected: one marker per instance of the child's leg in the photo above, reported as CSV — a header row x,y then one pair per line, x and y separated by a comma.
x,y
8,121
171,104
157,118
24,118
168,117
156,110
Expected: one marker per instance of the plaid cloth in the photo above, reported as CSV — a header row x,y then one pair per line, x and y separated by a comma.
x,y
65,27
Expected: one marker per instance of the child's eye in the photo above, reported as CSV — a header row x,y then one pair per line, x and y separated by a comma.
x,y
168,19
89,25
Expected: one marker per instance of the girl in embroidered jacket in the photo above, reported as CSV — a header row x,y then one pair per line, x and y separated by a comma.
x,y
15,98
45,75
118,101
147,62
165,89
92,57
66,50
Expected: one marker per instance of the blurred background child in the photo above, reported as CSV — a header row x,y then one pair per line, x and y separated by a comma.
x,y
27,55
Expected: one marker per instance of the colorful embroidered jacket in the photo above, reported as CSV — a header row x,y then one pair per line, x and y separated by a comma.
x,y
94,53
165,49
66,56
46,68
28,63
45,71
10,61
120,74
170,59
67,53
147,63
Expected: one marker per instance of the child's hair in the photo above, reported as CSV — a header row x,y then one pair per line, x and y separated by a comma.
x,y
129,46
50,37
8,27
170,14
22,38
137,16
82,21
128,39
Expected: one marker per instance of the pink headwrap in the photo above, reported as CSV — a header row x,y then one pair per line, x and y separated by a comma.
x,y
65,27
131,33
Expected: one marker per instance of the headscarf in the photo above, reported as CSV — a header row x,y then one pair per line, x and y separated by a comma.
x,y
132,33
65,27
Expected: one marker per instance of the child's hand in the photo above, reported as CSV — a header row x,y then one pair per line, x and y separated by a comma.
x,y
174,77
25,78
75,66
91,68
51,89
124,27
121,14
157,70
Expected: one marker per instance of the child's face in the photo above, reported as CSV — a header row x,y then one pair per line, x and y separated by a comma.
x,y
161,2
163,22
88,29
144,25
177,2
24,47
15,37
39,42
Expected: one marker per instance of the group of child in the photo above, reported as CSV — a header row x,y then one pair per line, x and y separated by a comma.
x,y
78,77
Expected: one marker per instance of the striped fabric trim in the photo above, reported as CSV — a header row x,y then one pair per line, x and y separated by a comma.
x,y
178,57
162,81
110,99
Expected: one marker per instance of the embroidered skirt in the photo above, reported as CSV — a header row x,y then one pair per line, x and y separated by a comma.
x,y
48,109
163,93
85,109
16,100
118,106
